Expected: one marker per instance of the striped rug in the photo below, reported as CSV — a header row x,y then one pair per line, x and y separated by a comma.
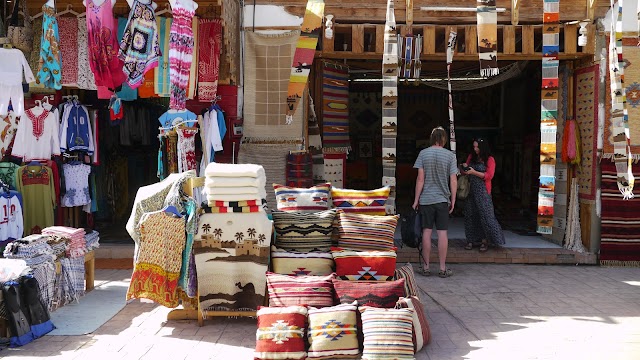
x,y
335,108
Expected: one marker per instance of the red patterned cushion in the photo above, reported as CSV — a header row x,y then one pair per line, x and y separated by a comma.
x,y
366,232
281,332
421,331
382,294
364,265
286,290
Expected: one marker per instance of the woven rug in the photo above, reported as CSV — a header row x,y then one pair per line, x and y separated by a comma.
x,y
335,168
267,68
620,229
303,57
300,170
273,157
232,255
390,68
335,108
586,111
488,37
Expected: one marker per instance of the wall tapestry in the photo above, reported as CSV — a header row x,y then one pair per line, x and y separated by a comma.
x,y
586,112
267,68
390,102
303,57
549,115
335,168
232,255
335,108
488,37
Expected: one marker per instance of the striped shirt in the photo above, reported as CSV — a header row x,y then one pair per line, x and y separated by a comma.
x,y
438,164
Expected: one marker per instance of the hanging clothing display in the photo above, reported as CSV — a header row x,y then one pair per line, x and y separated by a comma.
x,y
75,129
161,72
193,70
76,179
191,228
12,224
36,185
103,48
139,48
126,93
174,117
50,63
37,135
8,173
187,149
8,128
86,79
180,52
159,259
68,29
172,152
209,49
213,129
13,65
34,56
147,89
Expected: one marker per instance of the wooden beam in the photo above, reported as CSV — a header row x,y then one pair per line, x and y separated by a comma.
x,y
470,40
509,39
515,12
570,38
591,9
528,46
357,39
380,39
410,15
328,44
429,40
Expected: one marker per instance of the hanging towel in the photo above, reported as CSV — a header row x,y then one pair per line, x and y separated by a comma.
x,y
488,37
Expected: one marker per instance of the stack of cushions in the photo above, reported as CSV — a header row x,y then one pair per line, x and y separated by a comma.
x,y
235,188
93,240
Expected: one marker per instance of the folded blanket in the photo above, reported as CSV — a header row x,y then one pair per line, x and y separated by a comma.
x,y
235,197
234,170
261,202
226,209
217,181
237,190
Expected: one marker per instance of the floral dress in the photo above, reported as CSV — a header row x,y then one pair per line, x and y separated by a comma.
x,y
480,221
180,54
50,63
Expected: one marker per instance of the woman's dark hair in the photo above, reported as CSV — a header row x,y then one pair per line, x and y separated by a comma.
x,y
485,151
438,136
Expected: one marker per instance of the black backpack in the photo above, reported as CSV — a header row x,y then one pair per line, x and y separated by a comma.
x,y
411,229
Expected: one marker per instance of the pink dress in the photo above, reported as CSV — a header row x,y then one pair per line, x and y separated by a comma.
x,y
103,47
180,54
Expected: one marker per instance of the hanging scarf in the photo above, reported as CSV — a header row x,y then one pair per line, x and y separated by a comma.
x,y
210,43
549,115
390,73
488,37
451,48
619,115
303,57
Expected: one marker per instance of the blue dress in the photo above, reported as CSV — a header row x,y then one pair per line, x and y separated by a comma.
x,y
50,64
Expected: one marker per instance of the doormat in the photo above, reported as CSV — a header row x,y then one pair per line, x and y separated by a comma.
x,y
91,311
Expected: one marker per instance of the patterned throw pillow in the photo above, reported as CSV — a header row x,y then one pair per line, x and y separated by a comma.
x,y
370,202
301,263
280,333
387,333
333,332
366,232
285,290
410,286
421,331
383,294
302,231
315,198
364,265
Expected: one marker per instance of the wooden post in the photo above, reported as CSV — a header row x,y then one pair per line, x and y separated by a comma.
x,y
89,271
470,40
409,16
570,39
509,39
515,11
328,44
357,38
590,9
429,40
379,39
528,40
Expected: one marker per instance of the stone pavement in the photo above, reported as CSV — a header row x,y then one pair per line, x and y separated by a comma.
x,y
484,311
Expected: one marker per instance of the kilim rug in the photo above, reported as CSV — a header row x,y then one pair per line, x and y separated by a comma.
x,y
548,115
620,229
390,74
273,157
303,57
335,168
451,49
232,256
299,170
267,67
488,37
586,112
335,108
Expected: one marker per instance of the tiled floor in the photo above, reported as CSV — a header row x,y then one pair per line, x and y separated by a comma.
x,y
482,312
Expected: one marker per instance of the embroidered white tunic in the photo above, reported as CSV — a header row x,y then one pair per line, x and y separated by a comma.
x,y
37,137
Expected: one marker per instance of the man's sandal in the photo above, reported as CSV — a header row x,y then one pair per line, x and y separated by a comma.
x,y
424,272
445,273
469,246
484,247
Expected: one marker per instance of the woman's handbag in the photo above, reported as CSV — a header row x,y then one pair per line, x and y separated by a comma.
x,y
21,36
463,187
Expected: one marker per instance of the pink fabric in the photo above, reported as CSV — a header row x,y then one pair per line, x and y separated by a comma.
x,y
209,46
103,46
180,55
68,30
488,175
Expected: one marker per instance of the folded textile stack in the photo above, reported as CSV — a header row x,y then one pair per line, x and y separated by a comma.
x,y
235,188
92,240
33,249
76,245
59,245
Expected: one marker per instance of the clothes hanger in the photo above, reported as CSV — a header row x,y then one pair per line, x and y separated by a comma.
x,y
166,10
172,210
68,10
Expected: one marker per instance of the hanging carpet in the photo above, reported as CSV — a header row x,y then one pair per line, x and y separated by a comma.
x,y
335,108
586,112
488,37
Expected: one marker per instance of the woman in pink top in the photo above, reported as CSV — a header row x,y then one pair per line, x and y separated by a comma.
x,y
480,223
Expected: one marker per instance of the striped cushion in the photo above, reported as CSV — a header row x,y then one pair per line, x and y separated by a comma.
x,y
387,333
370,202
364,265
410,286
333,332
421,331
366,232
280,333
297,263
285,290
302,231
383,294
315,198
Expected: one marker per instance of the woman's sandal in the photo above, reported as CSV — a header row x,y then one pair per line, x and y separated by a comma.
x,y
469,246
445,273
424,272
484,247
